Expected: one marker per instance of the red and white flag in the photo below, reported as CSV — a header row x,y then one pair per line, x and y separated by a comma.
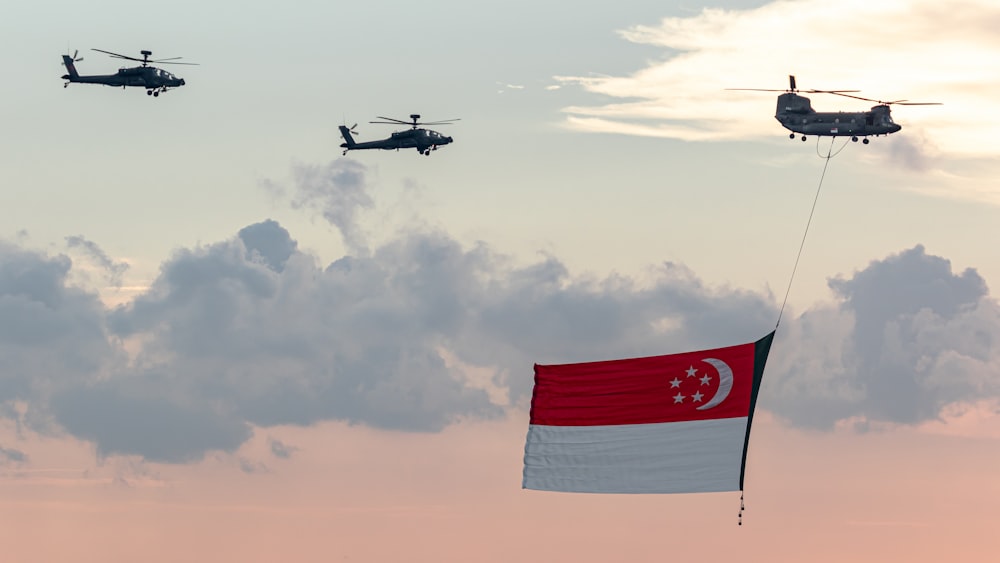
x,y
662,424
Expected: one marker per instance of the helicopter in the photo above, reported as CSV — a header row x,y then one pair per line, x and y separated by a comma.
x,y
796,114
153,79
424,140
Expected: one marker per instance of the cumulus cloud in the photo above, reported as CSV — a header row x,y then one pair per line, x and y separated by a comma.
x,y
50,331
141,414
909,338
269,243
921,50
237,335
252,332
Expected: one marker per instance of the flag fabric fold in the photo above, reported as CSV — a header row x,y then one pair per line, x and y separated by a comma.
x,y
663,424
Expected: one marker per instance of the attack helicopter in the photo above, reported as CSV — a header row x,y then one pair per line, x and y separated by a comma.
x,y
153,79
796,114
424,140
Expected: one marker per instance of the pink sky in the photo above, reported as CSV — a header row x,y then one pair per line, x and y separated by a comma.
x,y
355,494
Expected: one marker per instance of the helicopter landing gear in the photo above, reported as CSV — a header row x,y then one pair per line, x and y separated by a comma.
x,y
427,152
149,92
803,138
854,139
343,153
791,135
865,141
156,94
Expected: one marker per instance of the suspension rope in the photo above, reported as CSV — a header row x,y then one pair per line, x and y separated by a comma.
x,y
829,154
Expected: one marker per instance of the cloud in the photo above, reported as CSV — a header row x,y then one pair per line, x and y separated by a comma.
x,y
49,331
269,243
421,332
279,449
916,49
250,467
338,191
11,456
504,86
909,338
140,414
113,270
252,332
234,336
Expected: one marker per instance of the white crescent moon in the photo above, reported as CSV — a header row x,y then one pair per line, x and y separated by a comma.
x,y
725,383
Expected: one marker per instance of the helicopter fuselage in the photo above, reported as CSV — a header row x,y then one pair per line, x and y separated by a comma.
x,y
795,113
424,140
145,77
153,79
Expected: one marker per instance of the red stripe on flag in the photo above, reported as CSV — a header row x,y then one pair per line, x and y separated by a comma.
x,y
645,390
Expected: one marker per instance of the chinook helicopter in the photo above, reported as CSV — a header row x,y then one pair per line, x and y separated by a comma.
x,y
796,114
424,140
153,79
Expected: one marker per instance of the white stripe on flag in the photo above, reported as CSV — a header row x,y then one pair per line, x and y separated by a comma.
x,y
673,457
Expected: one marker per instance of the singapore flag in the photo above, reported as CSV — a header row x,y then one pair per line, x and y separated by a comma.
x,y
663,424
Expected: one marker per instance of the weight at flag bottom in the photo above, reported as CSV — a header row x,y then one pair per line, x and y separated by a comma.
x,y
678,423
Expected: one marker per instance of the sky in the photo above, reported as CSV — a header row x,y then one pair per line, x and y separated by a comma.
x,y
220,339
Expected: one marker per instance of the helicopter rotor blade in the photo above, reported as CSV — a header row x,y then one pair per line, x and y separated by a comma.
x,y
392,119
881,102
855,97
828,91
414,123
116,55
167,61
173,63
909,103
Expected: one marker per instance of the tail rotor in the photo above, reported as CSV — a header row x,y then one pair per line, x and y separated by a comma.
x,y
69,60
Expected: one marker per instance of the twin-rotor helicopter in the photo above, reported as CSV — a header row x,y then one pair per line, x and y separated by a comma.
x,y
424,140
796,114
154,80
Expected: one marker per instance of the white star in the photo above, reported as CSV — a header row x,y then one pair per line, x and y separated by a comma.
x,y
697,397
691,371
678,398
675,383
706,380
